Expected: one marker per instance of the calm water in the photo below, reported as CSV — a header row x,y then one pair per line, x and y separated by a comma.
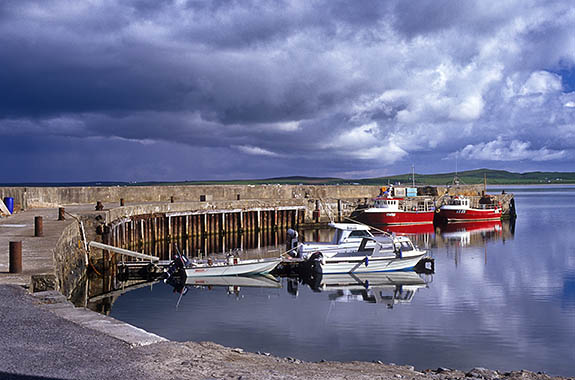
x,y
499,298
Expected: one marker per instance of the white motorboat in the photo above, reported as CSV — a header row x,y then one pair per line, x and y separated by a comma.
x,y
347,238
388,254
232,266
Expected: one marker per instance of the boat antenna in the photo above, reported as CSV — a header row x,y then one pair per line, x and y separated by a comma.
x,y
413,175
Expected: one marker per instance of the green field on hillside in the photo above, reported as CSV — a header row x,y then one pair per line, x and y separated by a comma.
x,y
470,177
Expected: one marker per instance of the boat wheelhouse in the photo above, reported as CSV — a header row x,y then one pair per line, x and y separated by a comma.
x,y
347,237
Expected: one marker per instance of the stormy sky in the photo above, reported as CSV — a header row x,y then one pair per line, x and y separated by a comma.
x,y
137,90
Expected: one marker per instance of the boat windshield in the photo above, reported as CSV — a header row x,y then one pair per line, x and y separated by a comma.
x,y
359,234
405,246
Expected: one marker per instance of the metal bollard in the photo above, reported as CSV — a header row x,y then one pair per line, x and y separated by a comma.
x,y
15,264
38,226
61,212
172,199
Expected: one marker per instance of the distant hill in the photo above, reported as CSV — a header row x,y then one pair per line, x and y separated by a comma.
x,y
494,177
470,177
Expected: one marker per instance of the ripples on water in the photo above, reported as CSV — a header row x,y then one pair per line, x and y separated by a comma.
x,y
502,297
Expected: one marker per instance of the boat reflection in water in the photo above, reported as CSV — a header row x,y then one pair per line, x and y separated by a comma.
x,y
456,234
389,288
232,283
471,233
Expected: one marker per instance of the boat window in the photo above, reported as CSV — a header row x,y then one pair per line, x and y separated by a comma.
x,y
359,233
405,246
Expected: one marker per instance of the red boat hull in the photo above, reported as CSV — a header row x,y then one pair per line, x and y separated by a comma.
x,y
386,218
469,215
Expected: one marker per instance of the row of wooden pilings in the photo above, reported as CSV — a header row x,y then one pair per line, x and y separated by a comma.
x,y
151,228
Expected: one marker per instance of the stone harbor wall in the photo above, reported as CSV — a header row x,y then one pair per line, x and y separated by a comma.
x,y
33,197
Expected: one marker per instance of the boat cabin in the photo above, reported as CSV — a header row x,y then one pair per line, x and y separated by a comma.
x,y
390,204
458,201
349,232
386,245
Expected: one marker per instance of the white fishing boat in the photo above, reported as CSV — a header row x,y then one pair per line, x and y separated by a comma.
x,y
232,266
347,238
389,253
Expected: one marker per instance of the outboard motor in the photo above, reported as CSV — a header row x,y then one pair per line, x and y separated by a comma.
x,y
292,243
178,264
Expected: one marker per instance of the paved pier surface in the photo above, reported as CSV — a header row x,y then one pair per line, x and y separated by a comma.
x,y
37,252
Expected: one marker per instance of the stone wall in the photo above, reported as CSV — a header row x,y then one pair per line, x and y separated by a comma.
x,y
70,257
32,197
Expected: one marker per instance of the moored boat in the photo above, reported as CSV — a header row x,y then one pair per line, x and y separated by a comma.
x,y
459,209
387,211
388,254
231,266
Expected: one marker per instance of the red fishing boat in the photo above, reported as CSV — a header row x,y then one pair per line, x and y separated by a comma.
x,y
459,209
397,211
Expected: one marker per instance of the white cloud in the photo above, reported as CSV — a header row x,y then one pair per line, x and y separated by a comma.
x,y
254,150
515,150
541,82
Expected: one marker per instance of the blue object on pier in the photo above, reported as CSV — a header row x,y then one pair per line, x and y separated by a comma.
x,y
9,202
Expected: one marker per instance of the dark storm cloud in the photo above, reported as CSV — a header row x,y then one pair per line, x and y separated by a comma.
x,y
327,87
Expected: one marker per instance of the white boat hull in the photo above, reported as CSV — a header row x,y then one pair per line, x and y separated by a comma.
x,y
357,264
247,267
330,249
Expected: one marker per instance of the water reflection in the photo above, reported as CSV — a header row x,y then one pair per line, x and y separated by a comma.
x,y
389,288
466,234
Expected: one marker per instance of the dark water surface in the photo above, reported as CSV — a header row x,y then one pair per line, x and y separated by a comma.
x,y
498,299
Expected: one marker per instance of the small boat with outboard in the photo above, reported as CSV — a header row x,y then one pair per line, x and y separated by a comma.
x,y
232,265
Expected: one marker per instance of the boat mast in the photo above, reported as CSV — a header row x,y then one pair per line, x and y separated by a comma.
x,y
413,175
